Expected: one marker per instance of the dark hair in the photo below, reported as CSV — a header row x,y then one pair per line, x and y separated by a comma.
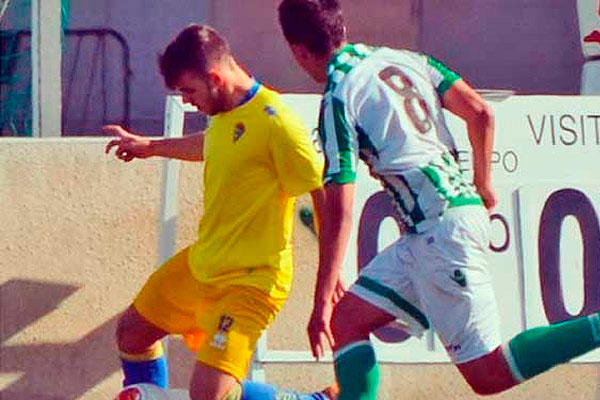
x,y
194,49
317,24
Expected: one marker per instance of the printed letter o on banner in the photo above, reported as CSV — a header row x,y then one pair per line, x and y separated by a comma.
x,y
377,208
560,204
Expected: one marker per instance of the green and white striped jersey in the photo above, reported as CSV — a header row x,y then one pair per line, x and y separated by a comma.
x,y
383,105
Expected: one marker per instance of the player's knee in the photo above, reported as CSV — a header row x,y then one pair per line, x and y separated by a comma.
x,y
129,334
122,333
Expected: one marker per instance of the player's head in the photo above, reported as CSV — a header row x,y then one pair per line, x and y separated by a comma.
x,y
196,64
314,29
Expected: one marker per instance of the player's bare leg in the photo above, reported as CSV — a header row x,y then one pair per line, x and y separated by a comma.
x,y
527,354
209,383
354,358
141,351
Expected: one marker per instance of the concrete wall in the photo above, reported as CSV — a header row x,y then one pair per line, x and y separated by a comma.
x,y
78,237
531,46
147,26
255,37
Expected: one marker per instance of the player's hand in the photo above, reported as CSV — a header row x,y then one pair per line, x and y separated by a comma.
x,y
340,291
319,330
488,195
129,146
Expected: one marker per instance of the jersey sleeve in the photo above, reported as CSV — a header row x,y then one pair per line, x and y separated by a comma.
x,y
338,141
441,76
298,165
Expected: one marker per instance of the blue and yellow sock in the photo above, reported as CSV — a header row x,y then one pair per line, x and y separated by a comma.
x,y
356,371
148,367
261,391
539,349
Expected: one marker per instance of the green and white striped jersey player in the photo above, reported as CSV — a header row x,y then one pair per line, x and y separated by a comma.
x,y
393,121
385,107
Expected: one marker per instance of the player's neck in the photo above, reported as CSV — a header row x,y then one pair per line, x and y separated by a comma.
x,y
337,50
240,84
323,63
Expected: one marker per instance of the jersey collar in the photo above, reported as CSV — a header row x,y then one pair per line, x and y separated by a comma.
x,y
250,93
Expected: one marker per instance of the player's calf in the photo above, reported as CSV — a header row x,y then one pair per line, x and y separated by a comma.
x,y
354,358
528,354
489,374
141,352
147,367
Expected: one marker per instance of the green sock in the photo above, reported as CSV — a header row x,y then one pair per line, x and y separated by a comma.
x,y
537,350
356,371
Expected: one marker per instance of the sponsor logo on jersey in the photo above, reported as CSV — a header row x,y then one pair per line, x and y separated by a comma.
x,y
459,277
239,130
219,340
270,111
453,348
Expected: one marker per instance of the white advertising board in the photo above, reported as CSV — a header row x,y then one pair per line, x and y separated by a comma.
x,y
545,244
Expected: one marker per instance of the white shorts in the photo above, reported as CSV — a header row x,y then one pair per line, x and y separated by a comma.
x,y
439,277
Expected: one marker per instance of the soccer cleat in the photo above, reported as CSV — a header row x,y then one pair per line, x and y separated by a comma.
x,y
129,394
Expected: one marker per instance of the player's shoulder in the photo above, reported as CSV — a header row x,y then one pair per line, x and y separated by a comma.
x,y
407,57
379,58
274,108
268,104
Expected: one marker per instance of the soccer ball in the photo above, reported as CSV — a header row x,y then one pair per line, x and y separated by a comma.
x,y
142,391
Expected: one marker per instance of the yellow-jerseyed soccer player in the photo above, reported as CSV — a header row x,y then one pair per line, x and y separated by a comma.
x,y
221,292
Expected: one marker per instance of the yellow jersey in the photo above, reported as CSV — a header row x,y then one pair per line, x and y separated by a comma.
x,y
258,158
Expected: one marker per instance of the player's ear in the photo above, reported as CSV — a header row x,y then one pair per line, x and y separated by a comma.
x,y
215,78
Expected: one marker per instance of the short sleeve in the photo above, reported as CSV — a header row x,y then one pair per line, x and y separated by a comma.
x,y
338,141
298,165
441,76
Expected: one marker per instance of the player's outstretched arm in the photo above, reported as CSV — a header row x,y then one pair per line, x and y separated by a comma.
x,y
462,100
130,146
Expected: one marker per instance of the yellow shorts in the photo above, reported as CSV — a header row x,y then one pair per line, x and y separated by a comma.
x,y
222,324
